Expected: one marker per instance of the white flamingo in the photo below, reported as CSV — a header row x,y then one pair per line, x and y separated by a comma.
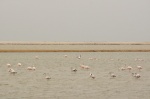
x,y
92,76
36,57
136,75
122,68
9,65
112,74
79,57
46,76
73,69
129,68
139,67
12,71
19,64
31,68
66,56
84,66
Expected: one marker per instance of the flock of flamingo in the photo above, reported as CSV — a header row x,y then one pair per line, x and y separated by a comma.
x,y
82,66
129,68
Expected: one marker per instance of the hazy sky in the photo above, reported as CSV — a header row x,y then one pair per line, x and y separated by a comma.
x,y
75,20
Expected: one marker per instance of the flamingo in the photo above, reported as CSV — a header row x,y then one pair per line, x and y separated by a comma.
x,y
9,65
84,67
65,56
33,68
29,68
122,68
136,75
12,71
46,77
112,74
129,68
19,64
73,69
139,67
36,57
92,76
79,57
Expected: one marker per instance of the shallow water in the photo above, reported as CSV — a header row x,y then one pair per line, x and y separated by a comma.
x,y
65,84
74,47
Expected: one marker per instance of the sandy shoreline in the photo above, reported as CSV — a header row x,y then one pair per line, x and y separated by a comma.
x,y
74,46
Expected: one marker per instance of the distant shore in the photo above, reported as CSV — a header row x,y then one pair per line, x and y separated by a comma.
x,y
74,46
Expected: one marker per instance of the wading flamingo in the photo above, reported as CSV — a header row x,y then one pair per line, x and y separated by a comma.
x,y
19,64
129,68
112,74
92,76
9,65
84,66
73,69
79,57
36,57
31,68
122,68
136,75
12,71
139,68
66,56
46,77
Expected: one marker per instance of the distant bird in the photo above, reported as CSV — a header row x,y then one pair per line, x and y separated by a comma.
x,y
122,68
112,74
12,71
65,56
92,76
84,66
31,68
46,76
19,64
139,59
139,67
136,75
36,57
90,58
129,68
79,57
9,65
73,69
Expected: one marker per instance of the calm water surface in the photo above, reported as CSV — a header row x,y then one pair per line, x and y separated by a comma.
x,y
65,84
74,47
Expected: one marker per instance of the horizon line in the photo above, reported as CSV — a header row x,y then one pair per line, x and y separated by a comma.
x,y
76,43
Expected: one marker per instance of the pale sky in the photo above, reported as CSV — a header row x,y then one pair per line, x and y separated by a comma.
x,y
75,20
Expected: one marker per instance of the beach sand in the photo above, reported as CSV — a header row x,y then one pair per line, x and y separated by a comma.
x,y
74,47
